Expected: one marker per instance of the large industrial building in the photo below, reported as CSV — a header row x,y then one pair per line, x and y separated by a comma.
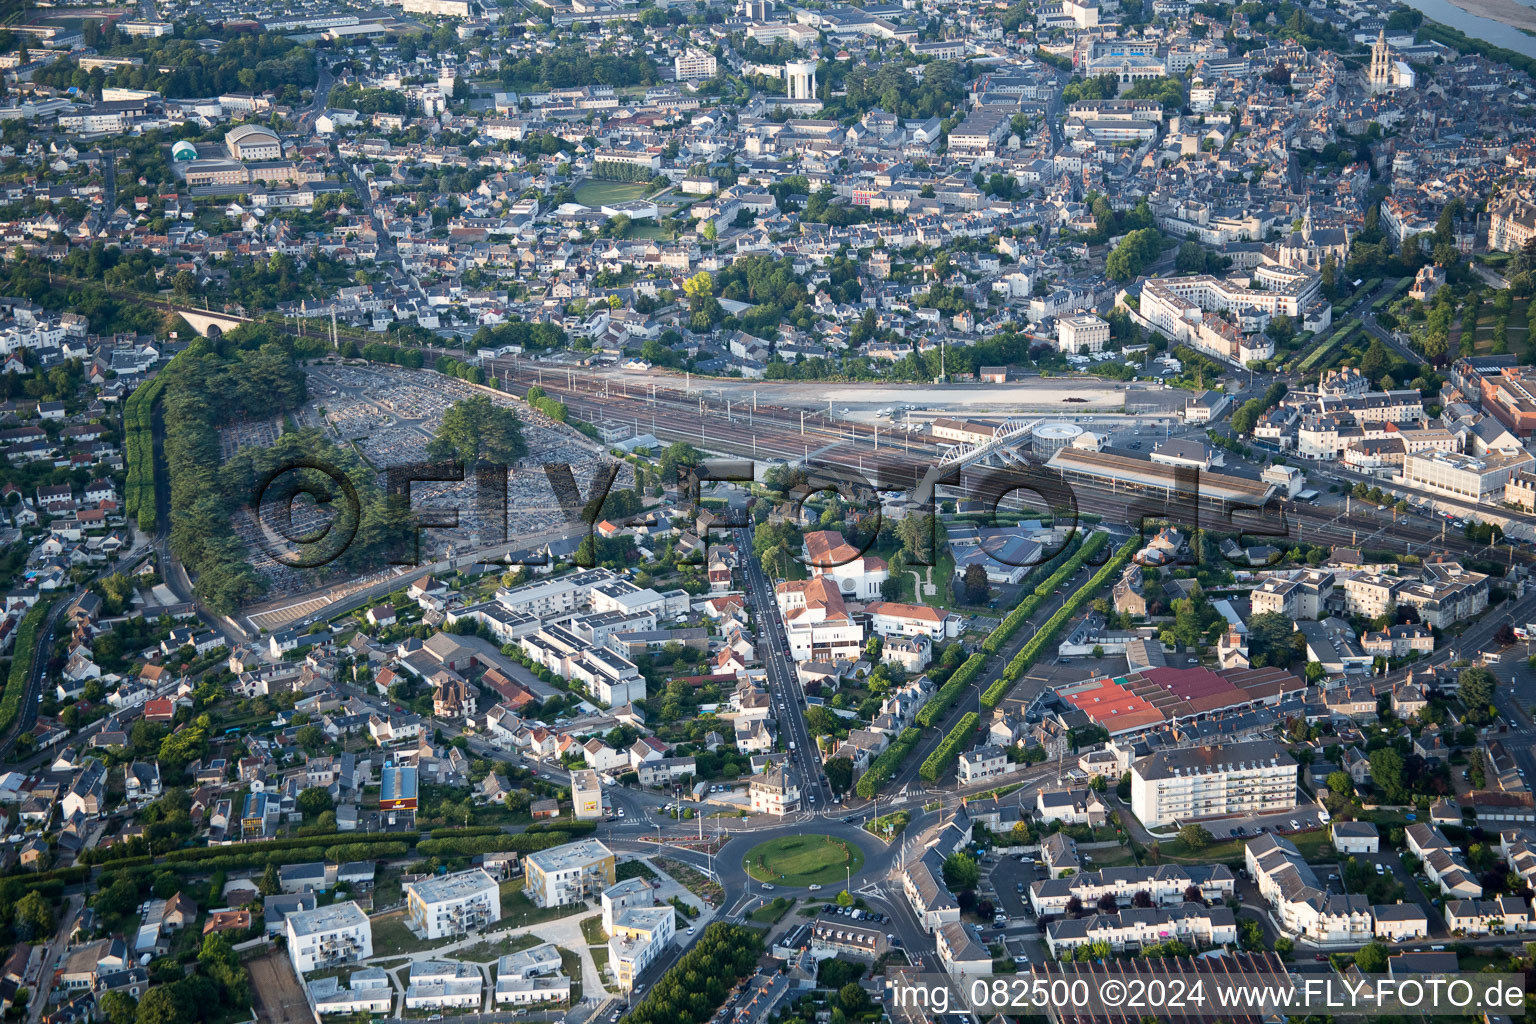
x,y
1153,697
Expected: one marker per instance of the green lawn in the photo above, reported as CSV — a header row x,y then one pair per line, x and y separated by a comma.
x,y
803,860
390,935
495,950
594,192
517,909
772,912
570,963
592,930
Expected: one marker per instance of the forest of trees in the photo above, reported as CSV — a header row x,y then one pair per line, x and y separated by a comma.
x,y
566,67
250,62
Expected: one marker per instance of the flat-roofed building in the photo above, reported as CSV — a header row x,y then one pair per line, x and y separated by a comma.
x,y
1082,332
1193,783
567,874
1476,478
328,936
455,904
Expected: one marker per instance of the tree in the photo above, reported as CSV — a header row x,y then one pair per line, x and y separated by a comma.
x,y
1141,899
1376,360
1371,958
1340,783
1131,256
700,286
271,883
1191,259
315,801
1283,947
977,589
160,1006
1108,904
1477,685
33,916
1193,894
1195,837
852,999
474,430
1387,772
1074,906
117,1007
839,774
960,871
845,898
818,720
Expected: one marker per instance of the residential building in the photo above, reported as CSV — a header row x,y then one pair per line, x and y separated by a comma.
x,y
568,874
328,936
1189,784
454,904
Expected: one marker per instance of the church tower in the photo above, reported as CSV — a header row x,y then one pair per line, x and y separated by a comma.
x,y
1381,64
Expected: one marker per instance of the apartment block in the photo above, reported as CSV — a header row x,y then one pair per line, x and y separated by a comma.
x,y
453,904
572,873
1193,783
328,936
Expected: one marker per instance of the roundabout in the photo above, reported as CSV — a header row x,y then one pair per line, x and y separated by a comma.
x,y
803,859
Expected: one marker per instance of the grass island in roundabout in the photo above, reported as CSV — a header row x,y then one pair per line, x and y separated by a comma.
x,y
800,860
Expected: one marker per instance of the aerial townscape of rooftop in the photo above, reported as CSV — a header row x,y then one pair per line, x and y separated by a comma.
x,y
719,511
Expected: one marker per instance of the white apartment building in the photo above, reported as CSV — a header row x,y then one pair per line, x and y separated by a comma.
x,y
572,873
1083,332
1196,925
816,622
893,618
443,984
961,954
1225,317
455,904
328,936
1511,223
694,65
531,976
1299,597
983,763
1192,783
1166,884
1302,906
1445,595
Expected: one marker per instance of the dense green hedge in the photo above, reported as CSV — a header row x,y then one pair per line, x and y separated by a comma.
x,y
470,846
139,442
1026,656
883,767
945,699
21,664
948,751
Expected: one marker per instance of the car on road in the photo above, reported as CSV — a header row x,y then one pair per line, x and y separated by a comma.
x,y
690,929
1295,825
767,887
1380,870
814,888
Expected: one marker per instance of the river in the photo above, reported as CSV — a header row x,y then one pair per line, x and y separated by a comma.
x,y
1486,29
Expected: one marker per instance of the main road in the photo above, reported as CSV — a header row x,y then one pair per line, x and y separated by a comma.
x,y
783,681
